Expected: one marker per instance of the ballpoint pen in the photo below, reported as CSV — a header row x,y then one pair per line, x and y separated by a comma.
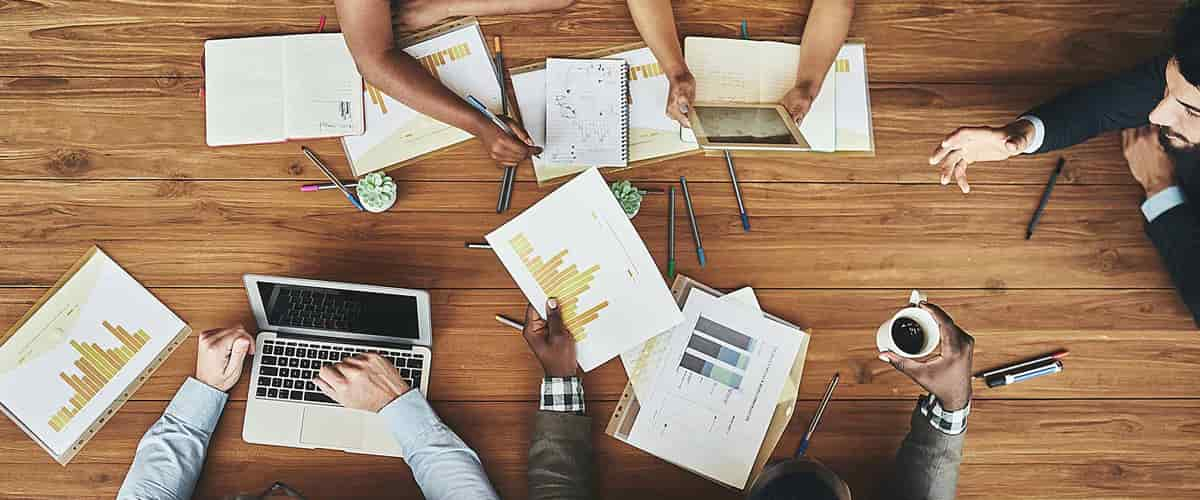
x,y
321,187
1037,214
737,192
510,173
671,232
812,426
687,201
333,178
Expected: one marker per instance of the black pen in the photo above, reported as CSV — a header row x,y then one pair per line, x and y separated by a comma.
x,y
1037,214
687,201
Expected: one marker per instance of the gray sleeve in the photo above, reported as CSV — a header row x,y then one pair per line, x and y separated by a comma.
x,y
171,454
560,457
927,463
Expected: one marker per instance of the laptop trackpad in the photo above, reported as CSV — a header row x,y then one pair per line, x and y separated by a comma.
x,y
337,428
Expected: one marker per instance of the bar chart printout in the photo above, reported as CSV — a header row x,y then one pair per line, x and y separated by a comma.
x,y
99,366
564,282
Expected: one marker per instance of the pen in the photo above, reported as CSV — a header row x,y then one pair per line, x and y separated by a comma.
x,y
509,323
490,115
687,200
737,192
812,426
1022,364
308,188
317,161
478,246
1037,214
671,232
500,75
510,173
1031,373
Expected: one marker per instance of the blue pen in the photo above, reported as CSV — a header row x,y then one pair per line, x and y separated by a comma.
x,y
333,178
687,199
737,193
490,115
510,173
1035,372
812,426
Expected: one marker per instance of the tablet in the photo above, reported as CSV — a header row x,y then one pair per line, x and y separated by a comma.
x,y
763,127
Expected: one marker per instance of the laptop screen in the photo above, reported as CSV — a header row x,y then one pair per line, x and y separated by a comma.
x,y
351,311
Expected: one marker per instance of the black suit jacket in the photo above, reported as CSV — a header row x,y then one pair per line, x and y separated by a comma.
x,y
1125,101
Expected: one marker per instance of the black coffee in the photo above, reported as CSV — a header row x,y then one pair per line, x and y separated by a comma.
x,y
908,335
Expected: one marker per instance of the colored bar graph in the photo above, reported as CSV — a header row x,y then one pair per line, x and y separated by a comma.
x,y
732,357
719,332
709,370
98,366
564,282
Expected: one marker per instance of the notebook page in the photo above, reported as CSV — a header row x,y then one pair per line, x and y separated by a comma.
x,y
726,70
853,99
819,126
586,112
323,89
243,91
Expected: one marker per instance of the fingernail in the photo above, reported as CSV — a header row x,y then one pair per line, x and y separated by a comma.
x,y
966,189
885,359
552,303
945,180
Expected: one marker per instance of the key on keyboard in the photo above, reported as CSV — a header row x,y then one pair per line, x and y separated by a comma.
x,y
287,374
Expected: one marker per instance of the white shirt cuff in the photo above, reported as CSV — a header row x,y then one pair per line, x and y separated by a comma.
x,y
1039,133
1159,203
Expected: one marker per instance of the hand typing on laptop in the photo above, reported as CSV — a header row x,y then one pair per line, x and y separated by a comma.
x,y
363,382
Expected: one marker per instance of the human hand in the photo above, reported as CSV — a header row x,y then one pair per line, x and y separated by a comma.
x,y
680,97
417,14
220,356
1149,163
946,375
550,341
797,102
506,150
363,382
968,145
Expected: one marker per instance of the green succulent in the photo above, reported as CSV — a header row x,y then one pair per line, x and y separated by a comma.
x,y
628,196
376,190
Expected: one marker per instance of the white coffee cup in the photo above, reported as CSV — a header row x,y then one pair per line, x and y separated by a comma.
x,y
928,324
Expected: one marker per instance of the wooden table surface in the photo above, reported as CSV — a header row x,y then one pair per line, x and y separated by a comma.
x,y
102,142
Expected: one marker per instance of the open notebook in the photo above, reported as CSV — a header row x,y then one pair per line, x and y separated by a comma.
x,y
276,88
587,112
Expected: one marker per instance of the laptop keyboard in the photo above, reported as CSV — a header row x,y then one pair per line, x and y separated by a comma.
x,y
286,368
305,308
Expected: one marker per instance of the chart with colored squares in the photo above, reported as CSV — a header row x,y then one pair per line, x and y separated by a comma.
x,y
81,351
564,282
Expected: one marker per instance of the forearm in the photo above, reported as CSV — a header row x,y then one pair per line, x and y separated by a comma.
x,y
656,22
171,454
444,467
928,461
824,33
1176,235
493,8
560,451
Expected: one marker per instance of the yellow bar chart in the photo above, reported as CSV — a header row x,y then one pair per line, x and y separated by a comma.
x,y
98,366
564,282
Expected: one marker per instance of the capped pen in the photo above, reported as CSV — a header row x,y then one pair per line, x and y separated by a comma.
x,y
687,202
1057,355
477,246
1033,372
812,426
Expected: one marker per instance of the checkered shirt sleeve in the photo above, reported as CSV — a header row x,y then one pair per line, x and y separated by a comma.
x,y
563,394
949,422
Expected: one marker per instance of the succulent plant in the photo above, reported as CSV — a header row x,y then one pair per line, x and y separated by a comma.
x,y
629,196
376,191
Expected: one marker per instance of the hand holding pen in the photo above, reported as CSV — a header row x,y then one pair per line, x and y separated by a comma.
x,y
507,143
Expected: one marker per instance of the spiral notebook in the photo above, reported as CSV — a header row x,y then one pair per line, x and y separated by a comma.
x,y
587,112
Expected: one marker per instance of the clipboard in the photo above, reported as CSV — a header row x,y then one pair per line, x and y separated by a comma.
x,y
409,40
594,54
626,412
121,399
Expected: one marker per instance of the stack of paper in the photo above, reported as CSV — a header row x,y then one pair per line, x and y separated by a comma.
x,y
745,71
578,246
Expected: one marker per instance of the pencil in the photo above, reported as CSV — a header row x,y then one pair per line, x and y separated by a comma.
x,y
1037,214
509,323
687,201
671,232
737,192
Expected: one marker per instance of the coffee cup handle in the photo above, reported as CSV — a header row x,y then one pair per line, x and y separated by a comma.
x,y
916,298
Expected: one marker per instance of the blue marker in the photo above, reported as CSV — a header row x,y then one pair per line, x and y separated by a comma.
x,y
687,198
1032,373
737,192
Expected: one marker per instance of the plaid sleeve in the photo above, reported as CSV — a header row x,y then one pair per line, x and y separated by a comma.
x,y
563,394
949,422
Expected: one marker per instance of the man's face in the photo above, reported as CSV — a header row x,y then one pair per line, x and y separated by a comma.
x,y
1178,113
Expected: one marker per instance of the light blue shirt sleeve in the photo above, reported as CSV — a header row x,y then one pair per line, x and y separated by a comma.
x,y
1039,133
443,465
1162,201
169,457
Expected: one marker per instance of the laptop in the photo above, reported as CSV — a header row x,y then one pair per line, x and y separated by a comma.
x,y
306,324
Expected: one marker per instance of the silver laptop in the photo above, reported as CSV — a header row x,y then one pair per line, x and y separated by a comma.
x,y
305,324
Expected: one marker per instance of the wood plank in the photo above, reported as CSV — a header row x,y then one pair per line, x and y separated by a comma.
x,y
1064,448
909,41
154,128
478,360
805,235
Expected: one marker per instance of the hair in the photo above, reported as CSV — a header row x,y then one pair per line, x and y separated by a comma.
x,y
796,486
1185,43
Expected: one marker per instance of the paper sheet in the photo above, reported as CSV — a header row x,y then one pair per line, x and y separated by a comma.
x,y
819,126
240,75
80,349
853,101
323,87
587,112
395,132
706,406
578,246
